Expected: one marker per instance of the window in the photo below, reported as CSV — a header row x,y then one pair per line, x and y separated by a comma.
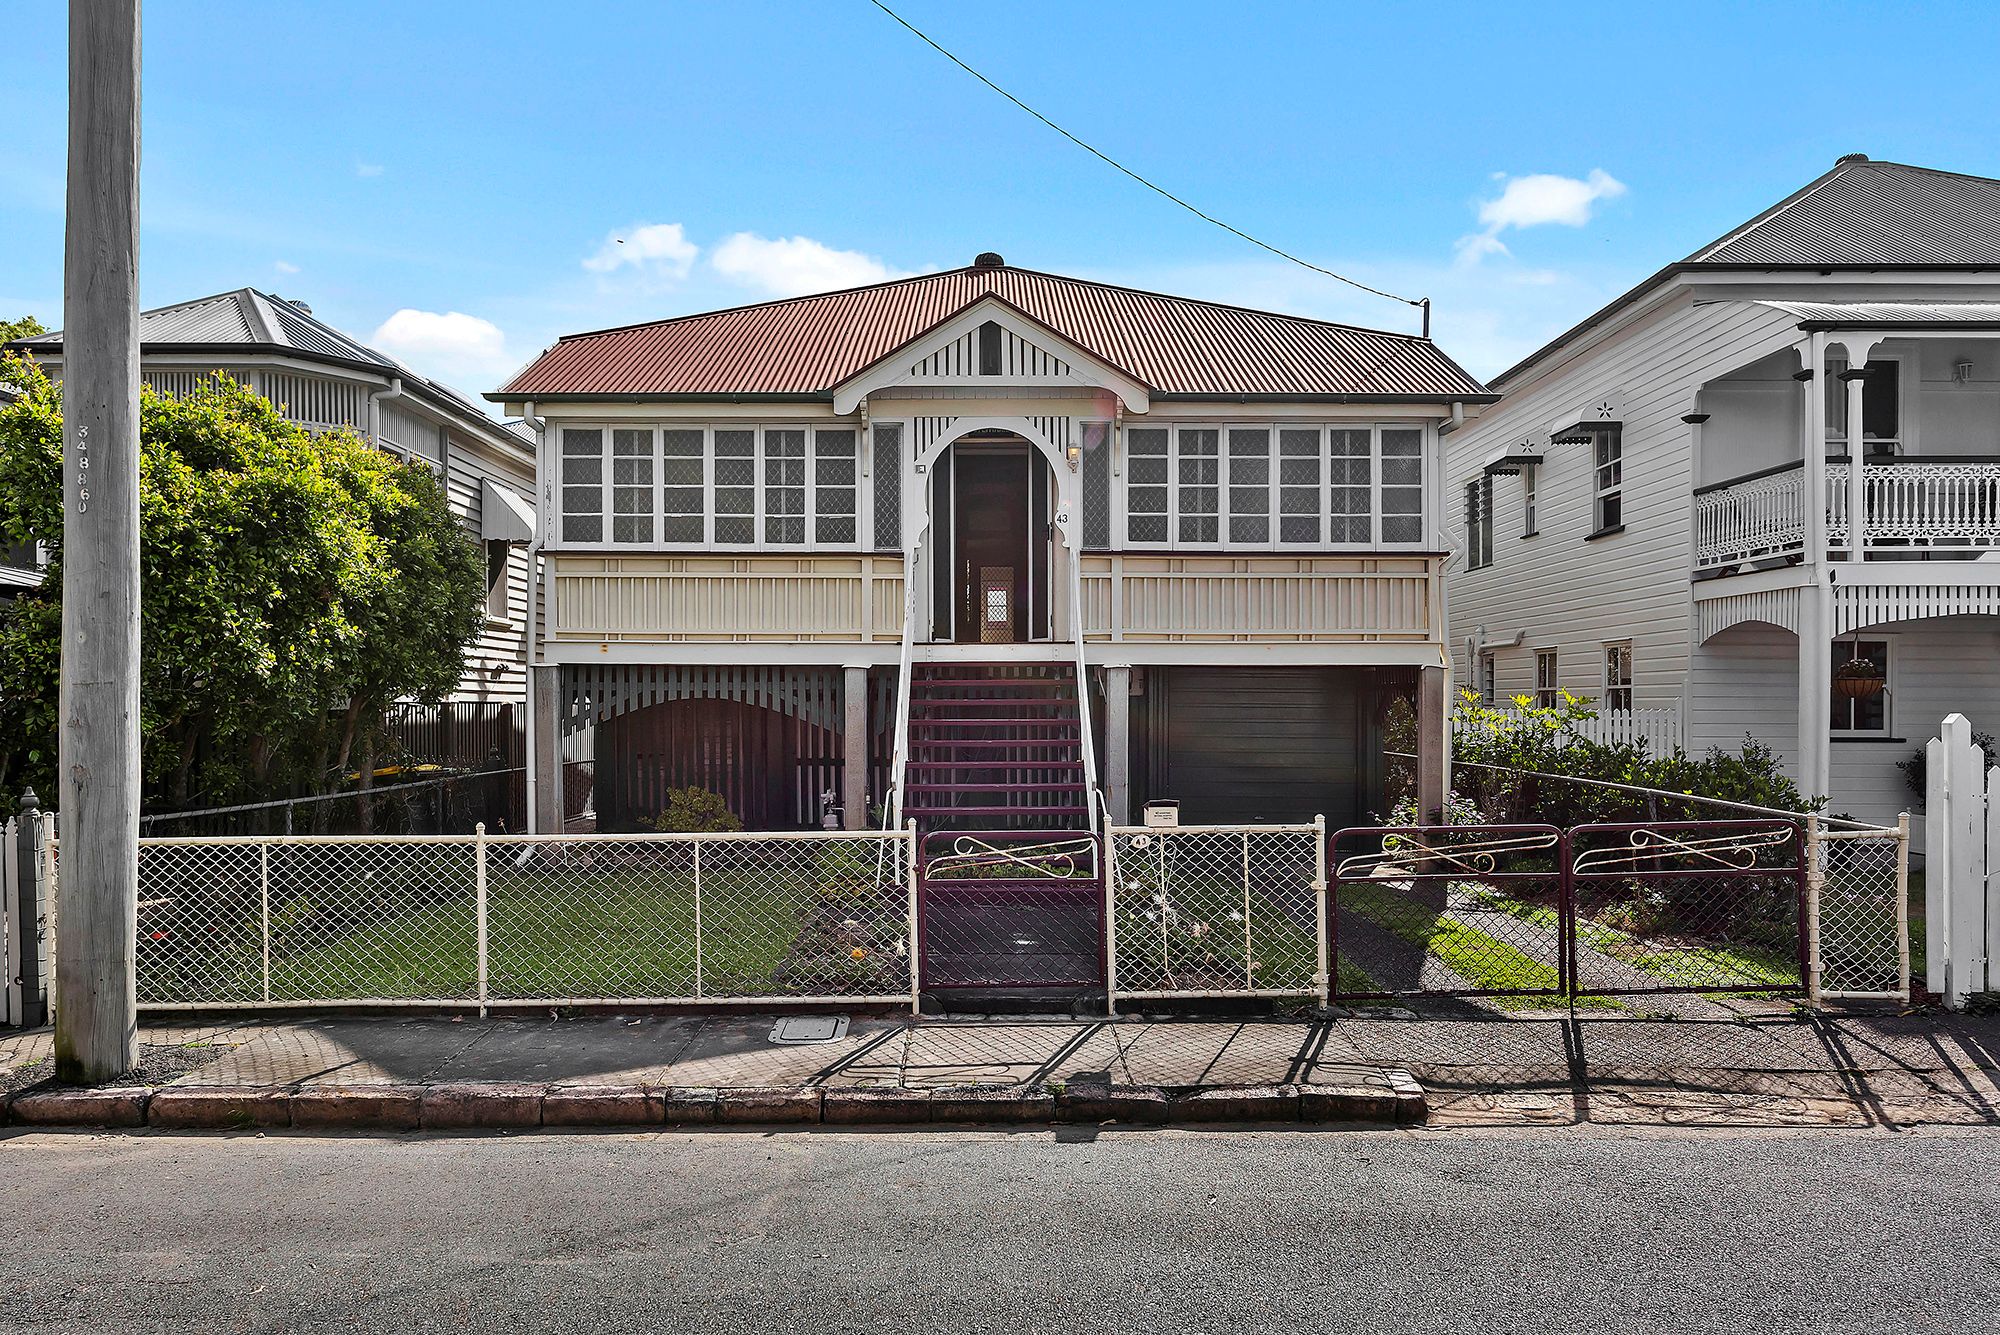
x,y
1146,492
1861,712
1488,676
499,593
1198,493
989,348
785,486
1529,523
1608,478
1250,484
1351,514
1097,484
1479,522
1298,485
1402,485
1618,676
833,486
888,479
735,487
583,484
683,516
1548,689
632,484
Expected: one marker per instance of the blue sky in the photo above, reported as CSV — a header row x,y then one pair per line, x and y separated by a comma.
x,y
446,178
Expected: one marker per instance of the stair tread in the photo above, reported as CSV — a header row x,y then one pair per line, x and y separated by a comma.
x,y
914,808
994,787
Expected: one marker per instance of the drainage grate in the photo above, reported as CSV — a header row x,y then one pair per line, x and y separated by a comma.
x,y
809,1029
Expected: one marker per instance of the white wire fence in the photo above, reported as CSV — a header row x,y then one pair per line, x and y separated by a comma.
x,y
1216,911
244,923
1858,885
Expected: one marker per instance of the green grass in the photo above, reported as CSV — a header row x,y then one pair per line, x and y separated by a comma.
x,y
1694,966
1484,961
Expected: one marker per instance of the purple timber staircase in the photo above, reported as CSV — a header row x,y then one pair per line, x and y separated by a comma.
x,y
1010,883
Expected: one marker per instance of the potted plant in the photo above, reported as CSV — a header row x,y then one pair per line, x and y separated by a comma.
x,y
1858,679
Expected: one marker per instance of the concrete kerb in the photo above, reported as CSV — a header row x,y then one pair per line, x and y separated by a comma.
x,y
463,1106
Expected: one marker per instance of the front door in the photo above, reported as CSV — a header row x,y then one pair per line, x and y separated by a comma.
x,y
990,560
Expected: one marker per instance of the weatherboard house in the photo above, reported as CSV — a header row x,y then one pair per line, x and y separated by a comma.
x,y
1759,494
984,549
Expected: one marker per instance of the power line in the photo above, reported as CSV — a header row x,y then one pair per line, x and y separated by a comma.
x,y
1422,303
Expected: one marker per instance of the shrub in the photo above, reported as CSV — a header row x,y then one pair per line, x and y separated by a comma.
x,y
1917,769
694,810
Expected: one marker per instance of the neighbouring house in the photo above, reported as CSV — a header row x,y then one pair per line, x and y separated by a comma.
x,y
1759,494
845,557
324,380
20,567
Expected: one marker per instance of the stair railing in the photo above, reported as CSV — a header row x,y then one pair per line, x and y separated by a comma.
x,y
893,808
1082,686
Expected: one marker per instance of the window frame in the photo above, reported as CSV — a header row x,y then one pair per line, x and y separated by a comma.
x,y
1548,686
1835,701
1601,493
1486,676
1609,683
1479,522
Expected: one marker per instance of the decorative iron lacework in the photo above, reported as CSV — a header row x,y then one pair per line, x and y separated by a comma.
x,y
1762,517
592,694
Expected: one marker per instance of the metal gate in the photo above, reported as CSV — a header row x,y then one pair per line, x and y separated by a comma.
x,y
1018,909
1594,911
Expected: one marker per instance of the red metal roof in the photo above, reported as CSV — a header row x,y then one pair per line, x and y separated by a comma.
x,y
1175,345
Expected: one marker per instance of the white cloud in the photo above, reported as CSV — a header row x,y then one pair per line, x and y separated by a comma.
x,y
367,169
284,266
794,266
447,345
657,249
1539,200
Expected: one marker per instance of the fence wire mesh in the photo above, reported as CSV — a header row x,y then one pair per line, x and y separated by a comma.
x,y
1011,909
1454,910
1217,911
666,918
1863,889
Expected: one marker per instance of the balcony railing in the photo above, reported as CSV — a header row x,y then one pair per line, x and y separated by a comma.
x,y
1936,507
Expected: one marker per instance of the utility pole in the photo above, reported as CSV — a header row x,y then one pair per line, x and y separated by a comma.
x,y
97,887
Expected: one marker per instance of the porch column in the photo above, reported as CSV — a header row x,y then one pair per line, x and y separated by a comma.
x,y
1856,381
854,748
1431,726
545,744
1816,632
1118,743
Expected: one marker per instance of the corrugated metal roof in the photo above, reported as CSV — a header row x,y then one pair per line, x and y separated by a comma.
x,y
260,322
1927,314
1174,345
1871,214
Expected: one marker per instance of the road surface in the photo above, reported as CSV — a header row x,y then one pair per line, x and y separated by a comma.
x,y
1157,1232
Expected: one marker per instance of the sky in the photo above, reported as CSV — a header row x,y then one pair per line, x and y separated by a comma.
x,y
460,183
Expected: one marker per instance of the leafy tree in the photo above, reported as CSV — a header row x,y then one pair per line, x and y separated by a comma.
x,y
292,587
25,327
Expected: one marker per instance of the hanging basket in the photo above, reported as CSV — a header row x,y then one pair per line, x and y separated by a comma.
x,y
1857,679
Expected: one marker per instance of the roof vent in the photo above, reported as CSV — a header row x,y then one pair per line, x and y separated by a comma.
x,y
988,259
294,301
1846,158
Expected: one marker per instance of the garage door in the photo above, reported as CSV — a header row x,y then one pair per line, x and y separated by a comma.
x,y
1240,745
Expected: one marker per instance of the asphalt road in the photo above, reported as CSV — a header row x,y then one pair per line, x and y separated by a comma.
x,y
1156,1232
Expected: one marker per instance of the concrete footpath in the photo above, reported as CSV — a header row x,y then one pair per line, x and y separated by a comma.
x,y
1458,1067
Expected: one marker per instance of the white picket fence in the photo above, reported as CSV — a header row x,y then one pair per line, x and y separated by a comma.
x,y
1656,728
1961,866
27,913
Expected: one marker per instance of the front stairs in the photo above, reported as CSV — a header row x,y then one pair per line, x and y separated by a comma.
x,y
1009,874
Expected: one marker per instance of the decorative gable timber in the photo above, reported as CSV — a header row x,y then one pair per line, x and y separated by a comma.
x,y
991,344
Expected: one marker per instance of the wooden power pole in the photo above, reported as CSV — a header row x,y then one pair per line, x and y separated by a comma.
x,y
97,884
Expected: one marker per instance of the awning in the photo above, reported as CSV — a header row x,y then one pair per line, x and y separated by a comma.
x,y
503,515
1510,464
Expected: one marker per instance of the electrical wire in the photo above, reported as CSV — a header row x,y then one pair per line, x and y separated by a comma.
x,y
1421,303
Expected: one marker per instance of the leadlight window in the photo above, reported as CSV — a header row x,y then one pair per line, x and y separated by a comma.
x,y
583,484
735,487
785,486
1299,468
1198,485
1352,513
682,460
887,466
833,486
1250,484
632,484
1097,484
1402,485
1146,492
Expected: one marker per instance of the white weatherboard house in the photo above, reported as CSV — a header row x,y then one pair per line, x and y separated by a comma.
x,y
1768,465
851,550
324,379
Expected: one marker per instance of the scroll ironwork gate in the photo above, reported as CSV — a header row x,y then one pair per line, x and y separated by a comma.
x,y
1533,911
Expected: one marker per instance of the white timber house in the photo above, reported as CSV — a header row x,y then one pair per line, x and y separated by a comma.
x,y
1759,494
777,537
325,380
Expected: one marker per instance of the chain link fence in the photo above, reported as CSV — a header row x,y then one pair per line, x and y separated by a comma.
x,y
1215,911
1860,887
242,923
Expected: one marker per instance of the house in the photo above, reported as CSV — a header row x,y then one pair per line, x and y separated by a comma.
x,y
20,567
847,557
323,380
1760,492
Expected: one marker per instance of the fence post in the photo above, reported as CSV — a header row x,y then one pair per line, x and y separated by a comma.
x,y
696,845
1249,946
479,903
916,948
1110,920
1320,892
264,915
1815,880
1959,950
1937,847
30,874
1903,904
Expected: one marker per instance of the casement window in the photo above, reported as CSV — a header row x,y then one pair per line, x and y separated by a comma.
x,y
785,486
1607,479
583,484
1096,484
632,484
1488,677
1618,676
833,483
1530,525
1861,712
735,486
682,517
886,464
1548,684
1273,487
1479,522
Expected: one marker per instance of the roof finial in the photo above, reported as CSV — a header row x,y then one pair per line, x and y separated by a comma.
x,y
1846,158
988,259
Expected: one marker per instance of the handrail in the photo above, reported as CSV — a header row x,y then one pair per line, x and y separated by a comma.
x,y
1772,471
1082,683
892,809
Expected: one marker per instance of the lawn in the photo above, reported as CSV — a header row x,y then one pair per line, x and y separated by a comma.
x,y
1690,964
1484,961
